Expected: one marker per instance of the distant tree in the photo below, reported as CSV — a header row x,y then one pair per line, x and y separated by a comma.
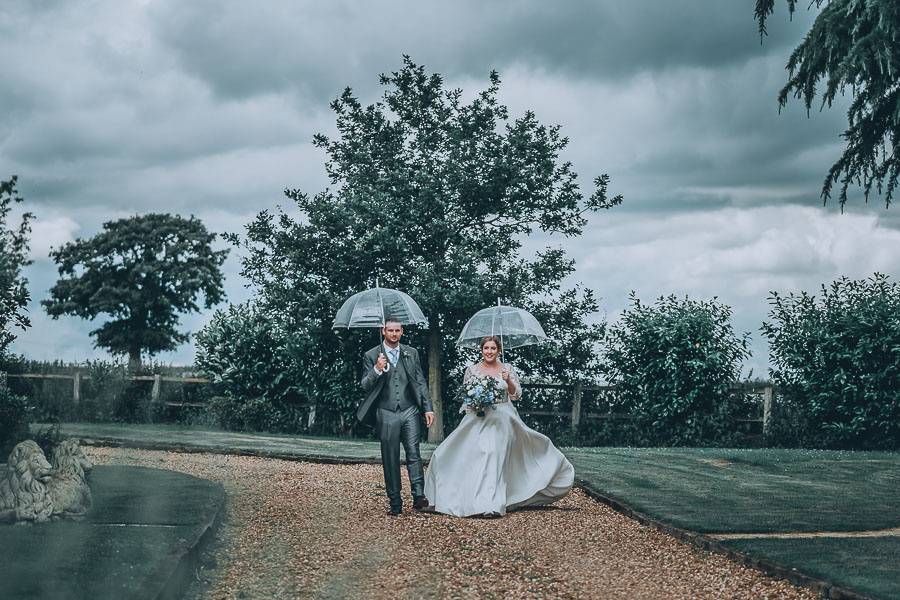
x,y
14,248
434,196
142,271
852,44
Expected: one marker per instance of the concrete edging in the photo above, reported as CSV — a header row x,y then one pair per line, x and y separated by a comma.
x,y
176,573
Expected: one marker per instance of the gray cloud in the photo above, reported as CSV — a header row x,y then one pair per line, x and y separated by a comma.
x,y
208,108
316,49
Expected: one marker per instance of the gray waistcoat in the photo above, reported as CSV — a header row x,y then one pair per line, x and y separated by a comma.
x,y
394,395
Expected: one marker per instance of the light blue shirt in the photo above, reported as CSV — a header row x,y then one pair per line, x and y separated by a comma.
x,y
393,355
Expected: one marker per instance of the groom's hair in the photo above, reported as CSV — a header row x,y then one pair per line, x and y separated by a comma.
x,y
389,320
490,338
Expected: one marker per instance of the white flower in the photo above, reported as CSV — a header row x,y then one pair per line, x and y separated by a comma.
x,y
471,393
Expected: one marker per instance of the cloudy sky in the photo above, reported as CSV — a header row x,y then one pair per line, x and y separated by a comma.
x,y
111,108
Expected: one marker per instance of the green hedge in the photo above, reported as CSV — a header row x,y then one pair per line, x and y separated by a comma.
x,y
836,362
674,363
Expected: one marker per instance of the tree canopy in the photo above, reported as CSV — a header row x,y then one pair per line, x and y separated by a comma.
x,y
141,271
433,195
14,249
852,45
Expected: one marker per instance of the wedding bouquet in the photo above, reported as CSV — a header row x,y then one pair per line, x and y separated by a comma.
x,y
481,392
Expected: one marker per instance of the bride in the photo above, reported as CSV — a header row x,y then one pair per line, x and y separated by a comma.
x,y
494,463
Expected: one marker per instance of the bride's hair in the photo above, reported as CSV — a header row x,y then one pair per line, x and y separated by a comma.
x,y
490,338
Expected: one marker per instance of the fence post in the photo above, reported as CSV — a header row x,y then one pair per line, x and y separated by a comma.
x,y
311,419
3,379
576,406
76,388
154,393
767,407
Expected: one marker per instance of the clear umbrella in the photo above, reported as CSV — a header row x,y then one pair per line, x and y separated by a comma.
x,y
372,307
515,327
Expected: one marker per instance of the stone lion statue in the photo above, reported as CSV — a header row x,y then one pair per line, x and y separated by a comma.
x,y
69,491
23,488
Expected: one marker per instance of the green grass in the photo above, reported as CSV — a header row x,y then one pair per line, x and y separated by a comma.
x,y
868,565
211,440
142,519
716,490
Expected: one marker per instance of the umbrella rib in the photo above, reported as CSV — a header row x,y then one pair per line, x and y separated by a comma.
x,y
353,310
409,309
380,303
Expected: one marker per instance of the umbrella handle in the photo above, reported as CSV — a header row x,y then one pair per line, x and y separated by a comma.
x,y
501,328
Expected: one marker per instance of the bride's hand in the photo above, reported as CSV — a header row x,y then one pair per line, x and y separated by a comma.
x,y
504,374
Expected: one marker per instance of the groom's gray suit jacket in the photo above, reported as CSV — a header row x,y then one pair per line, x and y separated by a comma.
x,y
372,383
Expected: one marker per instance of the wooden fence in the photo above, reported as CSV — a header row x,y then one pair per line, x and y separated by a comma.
x,y
576,416
765,390
77,378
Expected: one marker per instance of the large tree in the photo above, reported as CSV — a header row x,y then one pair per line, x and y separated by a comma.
x,y
141,271
13,258
853,45
433,195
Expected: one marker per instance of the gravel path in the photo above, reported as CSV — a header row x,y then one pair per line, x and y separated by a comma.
x,y
303,530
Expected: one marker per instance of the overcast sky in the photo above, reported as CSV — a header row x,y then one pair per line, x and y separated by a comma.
x,y
108,109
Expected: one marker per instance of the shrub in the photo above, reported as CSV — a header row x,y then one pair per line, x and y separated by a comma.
x,y
836,362
674,364
14,418
244,352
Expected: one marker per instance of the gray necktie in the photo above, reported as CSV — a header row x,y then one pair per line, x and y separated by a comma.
x,y
393,355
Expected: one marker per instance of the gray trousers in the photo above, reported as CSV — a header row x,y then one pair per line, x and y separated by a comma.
x,y
394,428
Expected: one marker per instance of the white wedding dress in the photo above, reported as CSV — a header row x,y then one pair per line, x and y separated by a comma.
x,y
495,463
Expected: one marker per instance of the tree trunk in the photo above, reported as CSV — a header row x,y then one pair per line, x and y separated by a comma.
x,y
134,360
436,433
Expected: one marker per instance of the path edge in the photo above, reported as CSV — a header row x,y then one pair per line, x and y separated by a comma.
x,y
176,573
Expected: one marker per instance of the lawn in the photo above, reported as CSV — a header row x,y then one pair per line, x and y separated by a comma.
x,y
759,490
869,565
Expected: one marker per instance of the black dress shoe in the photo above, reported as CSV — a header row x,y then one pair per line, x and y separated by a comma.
x,y
394,512
420,503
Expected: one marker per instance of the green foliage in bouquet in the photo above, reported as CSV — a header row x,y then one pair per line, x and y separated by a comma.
x,y
674,364
836,363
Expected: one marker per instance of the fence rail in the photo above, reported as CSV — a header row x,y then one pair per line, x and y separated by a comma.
x,y
78,377
576,416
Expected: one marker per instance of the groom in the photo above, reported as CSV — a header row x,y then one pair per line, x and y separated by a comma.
x,y
396,399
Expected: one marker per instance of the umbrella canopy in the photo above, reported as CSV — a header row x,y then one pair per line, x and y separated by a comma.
x,y
514,326
372,307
